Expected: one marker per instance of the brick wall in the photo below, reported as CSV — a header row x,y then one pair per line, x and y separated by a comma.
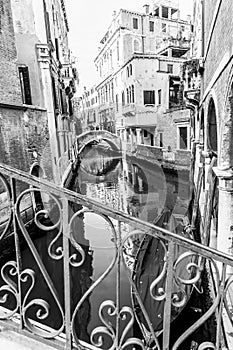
x,y
21,134
10,91
221,41
220,49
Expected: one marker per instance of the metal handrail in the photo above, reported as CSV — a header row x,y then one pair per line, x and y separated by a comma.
x,y
192,257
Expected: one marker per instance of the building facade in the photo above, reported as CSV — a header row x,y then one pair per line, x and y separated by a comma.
x,y
208,89
89,110
43,83
138,65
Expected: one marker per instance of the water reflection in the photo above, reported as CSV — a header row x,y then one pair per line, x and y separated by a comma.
x,y
136,188
128,185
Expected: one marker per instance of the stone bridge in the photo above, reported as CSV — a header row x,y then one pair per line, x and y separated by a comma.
x,y
97,136
70,159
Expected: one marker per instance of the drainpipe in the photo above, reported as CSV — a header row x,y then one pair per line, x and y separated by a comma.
x,y
143,39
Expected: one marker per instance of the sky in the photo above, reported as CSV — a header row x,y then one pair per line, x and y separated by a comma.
x,y
89,20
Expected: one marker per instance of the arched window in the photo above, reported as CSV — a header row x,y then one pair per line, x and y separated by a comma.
x,y
112,88
127,70
212,127
106,93
111,63
123,98
132,90
130,69
202,130
127,93
130,100
118,51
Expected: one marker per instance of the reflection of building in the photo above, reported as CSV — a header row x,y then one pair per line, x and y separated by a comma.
x,y
139,75
46,74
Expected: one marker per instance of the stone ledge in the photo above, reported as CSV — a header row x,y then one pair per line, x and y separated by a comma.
x,y
11,340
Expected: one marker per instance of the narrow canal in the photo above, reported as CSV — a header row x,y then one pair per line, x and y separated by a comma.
x,y
130,185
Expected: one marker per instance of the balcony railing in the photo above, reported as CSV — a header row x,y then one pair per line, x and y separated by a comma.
x,y
129,110
48,295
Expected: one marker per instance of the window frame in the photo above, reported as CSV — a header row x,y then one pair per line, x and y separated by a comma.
x,y
25,85
151,26
164,27
151,98
159,97
135,23
170,68
179,146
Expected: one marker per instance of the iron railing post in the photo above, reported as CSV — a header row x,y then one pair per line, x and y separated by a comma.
x,y
66,265
168,300
17,250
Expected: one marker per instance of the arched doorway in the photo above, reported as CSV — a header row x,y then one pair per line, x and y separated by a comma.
x,y
212,127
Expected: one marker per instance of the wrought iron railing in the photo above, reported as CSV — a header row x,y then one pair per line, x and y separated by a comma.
x,y
48,289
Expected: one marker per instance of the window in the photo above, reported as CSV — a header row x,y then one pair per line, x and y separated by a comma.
x,y
174,14
118,51
135,23
174,92
183,137
160,139
127,92
117,107
111,62
47,22
130,69
170,68
149,97
132,90
106,93
151,26
127,69
123,98
164,12
164,27
25,85
159,96
57,49
112,87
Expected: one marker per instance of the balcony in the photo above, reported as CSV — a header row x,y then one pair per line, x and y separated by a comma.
x,y
129,110
140,115
192,72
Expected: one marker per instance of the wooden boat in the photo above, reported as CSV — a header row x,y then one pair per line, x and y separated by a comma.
x,y
149,265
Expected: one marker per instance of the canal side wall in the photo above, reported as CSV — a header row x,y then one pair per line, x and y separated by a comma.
x,y
176,160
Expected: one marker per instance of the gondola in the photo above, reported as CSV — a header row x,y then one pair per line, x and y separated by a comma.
x,y
149,265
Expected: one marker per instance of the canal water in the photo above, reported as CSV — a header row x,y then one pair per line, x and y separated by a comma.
x,y
133,186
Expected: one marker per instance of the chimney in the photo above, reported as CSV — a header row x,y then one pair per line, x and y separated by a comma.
x,y
146,9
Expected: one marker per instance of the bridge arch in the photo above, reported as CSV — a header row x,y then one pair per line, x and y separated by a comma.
x,y
97,136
